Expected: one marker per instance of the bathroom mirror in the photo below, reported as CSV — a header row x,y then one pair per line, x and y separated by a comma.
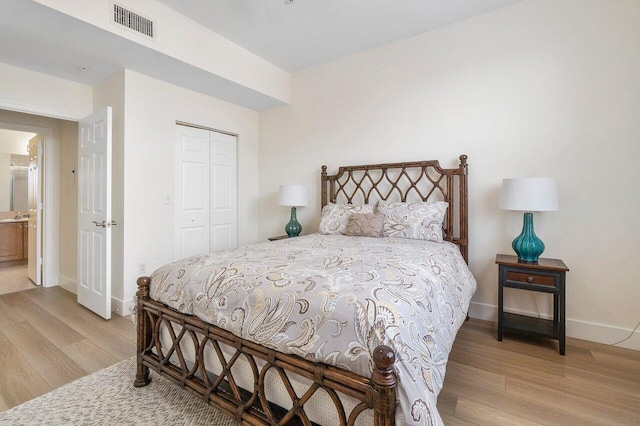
x,y
19,197
14,180
14,170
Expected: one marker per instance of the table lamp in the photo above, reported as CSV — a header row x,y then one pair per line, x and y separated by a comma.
x,y
294,196
528,195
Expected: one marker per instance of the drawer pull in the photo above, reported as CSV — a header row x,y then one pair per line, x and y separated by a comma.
x,y
529,279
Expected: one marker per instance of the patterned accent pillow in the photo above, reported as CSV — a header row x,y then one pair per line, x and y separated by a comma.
x,y
364,225
335,217
416,221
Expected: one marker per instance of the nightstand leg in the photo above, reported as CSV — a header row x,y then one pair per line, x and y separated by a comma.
x,y
562,316
500,308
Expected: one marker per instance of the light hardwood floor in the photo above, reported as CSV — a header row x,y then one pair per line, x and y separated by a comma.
x,y
47,340
523,381
14,278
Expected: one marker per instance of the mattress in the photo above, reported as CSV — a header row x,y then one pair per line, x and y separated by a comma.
x,y
333,299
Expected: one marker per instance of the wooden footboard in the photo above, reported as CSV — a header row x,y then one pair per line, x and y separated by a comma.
x,y
251,406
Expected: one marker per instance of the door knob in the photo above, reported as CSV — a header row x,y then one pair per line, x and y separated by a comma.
x,y
105,224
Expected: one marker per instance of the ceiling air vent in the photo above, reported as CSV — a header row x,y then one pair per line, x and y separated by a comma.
x,y
132,20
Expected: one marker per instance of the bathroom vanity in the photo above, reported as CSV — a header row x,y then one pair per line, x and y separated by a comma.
x,y
14,237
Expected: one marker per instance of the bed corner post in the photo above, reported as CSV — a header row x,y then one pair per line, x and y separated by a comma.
x,y
323,186
464,207
143,332
383,379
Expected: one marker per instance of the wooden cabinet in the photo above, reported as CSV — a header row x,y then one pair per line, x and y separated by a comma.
x,y
13,241
546,276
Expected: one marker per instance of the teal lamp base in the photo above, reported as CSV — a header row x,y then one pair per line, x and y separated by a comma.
x,y
527,245
293,228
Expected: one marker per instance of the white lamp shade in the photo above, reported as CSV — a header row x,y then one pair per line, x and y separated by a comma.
x,y
293,195
529,194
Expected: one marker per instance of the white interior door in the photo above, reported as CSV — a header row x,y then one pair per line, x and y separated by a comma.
x,y
94,212
206,191
192,191
224,210
34,236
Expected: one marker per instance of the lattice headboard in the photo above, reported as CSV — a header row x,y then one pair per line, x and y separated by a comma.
x,y
407,182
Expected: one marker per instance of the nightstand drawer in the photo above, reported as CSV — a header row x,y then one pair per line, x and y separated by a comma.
x,y
527,278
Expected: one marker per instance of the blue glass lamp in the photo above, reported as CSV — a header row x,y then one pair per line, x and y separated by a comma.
x,y
294,196
528,195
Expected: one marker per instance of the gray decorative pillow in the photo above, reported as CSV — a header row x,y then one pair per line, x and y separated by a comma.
x,y
335,217
416,221
364,225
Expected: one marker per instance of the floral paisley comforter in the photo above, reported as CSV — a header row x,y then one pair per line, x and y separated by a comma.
x,y
334,298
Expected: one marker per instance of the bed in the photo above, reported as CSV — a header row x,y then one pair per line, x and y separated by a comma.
x,y
325,328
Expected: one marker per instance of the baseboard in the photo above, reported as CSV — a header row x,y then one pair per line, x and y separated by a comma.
x,y
122,307
118,306
604,334
483,311
68,284
584,330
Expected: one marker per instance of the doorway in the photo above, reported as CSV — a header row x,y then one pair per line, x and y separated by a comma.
x,y
49,221
14,210
19,217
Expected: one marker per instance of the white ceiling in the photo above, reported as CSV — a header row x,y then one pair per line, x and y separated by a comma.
x,y
311,32
39,38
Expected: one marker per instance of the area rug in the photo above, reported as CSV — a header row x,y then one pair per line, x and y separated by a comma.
x,y
108,397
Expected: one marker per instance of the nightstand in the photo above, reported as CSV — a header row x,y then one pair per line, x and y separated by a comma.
x,y
279,237
547,276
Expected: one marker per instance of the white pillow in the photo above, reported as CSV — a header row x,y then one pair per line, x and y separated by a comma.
x,y
416,221
336,216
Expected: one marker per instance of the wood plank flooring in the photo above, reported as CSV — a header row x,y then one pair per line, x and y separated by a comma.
x,y
523,381
13,277
47,340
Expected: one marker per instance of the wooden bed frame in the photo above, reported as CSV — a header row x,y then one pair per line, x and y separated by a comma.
x,y
422,181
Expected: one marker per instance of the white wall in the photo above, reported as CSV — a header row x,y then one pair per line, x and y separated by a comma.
x,y
152,108
539,88
33,92
68,205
